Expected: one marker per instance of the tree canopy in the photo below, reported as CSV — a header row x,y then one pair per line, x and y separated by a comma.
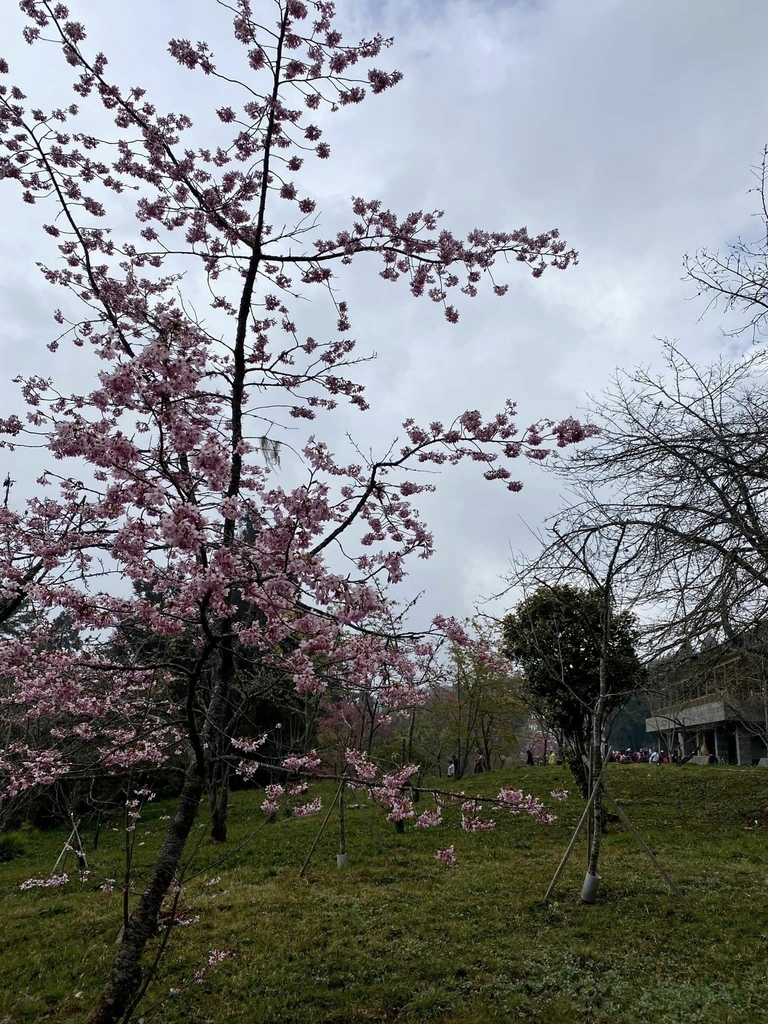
x,y
556,636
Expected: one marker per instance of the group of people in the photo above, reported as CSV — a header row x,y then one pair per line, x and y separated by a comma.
x,y
454,768
644,756
628,756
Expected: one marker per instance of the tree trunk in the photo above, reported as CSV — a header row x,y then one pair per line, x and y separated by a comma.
x,y
125,976
410,735
597,817
218,732
219,800
124,981
596,764
487,752
342,822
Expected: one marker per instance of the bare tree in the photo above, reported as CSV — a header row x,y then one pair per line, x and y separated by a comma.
x,y
681,469
681,466
738,278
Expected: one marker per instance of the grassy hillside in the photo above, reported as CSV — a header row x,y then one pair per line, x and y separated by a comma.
x,y
401,937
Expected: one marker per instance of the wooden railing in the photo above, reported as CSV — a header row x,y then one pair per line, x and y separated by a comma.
x,y
733,697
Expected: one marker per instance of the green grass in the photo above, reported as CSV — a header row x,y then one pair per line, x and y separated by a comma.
x,y
400,937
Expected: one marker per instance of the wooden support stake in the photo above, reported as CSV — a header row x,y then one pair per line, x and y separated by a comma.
x,y
64,851
322,829
571,845
82,860
648,852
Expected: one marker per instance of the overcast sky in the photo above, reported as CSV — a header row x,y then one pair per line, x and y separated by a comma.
x,y
632,126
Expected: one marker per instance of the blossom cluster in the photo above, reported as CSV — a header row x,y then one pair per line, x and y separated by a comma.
x,y
310,807
248,745
471,820
429,818
304,763
215,957
399,808
272,796
51,882
358,760
517,802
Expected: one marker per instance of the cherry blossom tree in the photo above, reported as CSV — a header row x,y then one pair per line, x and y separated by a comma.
x,y
159,480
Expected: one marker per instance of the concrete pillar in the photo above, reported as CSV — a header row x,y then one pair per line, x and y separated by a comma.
x,y
717,744
743,747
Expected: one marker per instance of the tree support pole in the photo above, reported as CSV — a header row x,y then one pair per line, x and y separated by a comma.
x,y
648,852
65,851
571,845
322,829
82,860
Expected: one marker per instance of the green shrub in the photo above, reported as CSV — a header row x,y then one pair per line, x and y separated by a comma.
x,y
10,848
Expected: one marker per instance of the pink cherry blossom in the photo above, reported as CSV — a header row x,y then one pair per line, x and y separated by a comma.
x,y
215,957
429,818
52,882
310,807
362,766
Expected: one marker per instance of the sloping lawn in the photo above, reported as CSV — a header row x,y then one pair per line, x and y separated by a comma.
x,y
401,937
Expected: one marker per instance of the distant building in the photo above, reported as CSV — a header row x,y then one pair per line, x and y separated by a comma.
x,y
714,700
